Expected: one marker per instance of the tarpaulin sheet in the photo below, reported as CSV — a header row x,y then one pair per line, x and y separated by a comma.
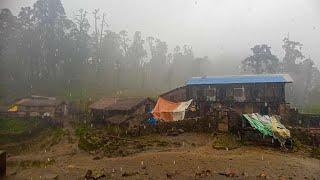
x,y
170,111
268,126
13,109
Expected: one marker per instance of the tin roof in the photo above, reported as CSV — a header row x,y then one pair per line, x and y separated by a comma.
x,y
103,103
241,79
38,102
116,103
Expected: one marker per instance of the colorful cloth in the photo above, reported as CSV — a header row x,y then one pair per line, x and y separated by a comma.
x,y
268,126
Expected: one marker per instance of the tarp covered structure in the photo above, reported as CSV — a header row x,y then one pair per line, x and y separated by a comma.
x,y
170,111
268,126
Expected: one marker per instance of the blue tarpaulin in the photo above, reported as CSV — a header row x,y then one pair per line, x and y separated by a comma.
x,y
152,121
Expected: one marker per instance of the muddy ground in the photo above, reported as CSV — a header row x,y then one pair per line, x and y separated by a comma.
x,y
187,156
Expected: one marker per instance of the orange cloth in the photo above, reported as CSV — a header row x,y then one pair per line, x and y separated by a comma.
x,y
170,111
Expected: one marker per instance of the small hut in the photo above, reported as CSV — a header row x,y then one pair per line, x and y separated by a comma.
x,y
121,111
36,106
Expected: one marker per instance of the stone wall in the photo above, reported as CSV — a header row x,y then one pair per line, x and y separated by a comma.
x,y
188,125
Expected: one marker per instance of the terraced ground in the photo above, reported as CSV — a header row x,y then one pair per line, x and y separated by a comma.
x,y
187,156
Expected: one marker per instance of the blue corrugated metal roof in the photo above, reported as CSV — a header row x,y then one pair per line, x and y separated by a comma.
x,y
241,79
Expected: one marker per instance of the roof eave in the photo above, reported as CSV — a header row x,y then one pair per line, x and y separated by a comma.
x,y
188,84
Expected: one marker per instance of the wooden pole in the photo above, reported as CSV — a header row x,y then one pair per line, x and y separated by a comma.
x,y
3,163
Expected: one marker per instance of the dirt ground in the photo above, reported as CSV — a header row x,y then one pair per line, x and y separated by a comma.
x,y
194,158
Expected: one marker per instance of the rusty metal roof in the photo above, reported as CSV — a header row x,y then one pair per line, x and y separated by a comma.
x,y
103,103
38,102
116,103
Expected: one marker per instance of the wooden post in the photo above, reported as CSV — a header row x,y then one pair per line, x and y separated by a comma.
x,y
3,164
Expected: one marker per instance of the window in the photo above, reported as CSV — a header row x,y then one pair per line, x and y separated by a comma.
x,y
258,94
239,94
211,94
229,94
199,94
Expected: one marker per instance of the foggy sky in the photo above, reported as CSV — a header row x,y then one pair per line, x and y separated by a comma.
x,y
215,28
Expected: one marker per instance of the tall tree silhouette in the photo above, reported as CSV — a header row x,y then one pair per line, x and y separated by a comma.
x,y
262,61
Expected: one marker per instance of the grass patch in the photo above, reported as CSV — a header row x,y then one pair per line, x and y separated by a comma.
x,y
25,164
315,152
162,143
13,125
224,141
58,134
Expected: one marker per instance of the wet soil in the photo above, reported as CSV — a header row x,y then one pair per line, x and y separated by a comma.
x,y
187,156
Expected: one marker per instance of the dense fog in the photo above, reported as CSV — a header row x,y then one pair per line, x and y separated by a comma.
x,y
88,49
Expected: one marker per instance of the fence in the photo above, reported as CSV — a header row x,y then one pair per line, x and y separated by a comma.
x,y
309,120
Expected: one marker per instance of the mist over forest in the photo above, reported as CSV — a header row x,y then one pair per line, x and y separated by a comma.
x,y
159,89
45,51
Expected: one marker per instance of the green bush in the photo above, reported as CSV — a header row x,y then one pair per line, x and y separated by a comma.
x,y
89,142
82,130
58,134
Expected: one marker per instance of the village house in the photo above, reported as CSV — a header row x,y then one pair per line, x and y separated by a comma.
x,y
262,94
39,106
245,93
121,111
234,95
